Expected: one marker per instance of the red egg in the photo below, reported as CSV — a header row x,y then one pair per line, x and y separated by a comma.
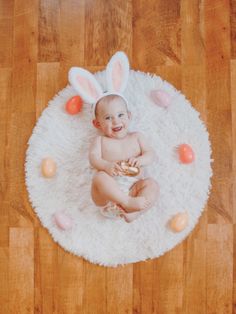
x,y
186,154
74,105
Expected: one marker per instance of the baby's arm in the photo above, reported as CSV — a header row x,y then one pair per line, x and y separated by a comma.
x,y
96,160
147,153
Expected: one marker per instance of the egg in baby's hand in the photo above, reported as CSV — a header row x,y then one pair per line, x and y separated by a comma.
x,y
48,167
129,170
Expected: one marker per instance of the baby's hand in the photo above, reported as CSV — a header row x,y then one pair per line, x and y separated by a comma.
x,y
113,169
134,162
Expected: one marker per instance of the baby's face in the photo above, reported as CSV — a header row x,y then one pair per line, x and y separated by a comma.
x,y
113,118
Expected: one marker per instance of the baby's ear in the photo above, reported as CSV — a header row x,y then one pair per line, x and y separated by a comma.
x,y
96,124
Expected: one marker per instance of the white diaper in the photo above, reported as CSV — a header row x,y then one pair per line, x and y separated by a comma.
x,y
125,182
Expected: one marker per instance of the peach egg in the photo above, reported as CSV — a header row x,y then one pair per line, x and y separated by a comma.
x,y
186,154
160,98
74,105
63,221
179,222
48,167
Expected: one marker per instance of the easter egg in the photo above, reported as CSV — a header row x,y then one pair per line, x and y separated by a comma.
x,y
186,154
63,221
179,222
160,98
48,167
74,105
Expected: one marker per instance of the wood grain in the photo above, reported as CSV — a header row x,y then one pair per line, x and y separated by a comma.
x,y
21,270
189,43
217,40
156,33
233,106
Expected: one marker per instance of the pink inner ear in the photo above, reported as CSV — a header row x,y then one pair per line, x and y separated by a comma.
x,y
87,86
117,73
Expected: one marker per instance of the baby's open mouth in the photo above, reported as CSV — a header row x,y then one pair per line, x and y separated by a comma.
x,y
117,129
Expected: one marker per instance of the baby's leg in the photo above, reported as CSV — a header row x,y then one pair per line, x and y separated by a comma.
x,y
105,189
149,189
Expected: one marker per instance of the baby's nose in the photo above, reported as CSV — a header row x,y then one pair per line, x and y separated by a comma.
x,y
115,120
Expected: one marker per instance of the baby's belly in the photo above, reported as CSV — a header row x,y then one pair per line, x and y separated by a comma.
x,y
119,156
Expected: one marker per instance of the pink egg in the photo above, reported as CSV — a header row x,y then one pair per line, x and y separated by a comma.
x,y
63,221
179,222
186,154
48,167
160,98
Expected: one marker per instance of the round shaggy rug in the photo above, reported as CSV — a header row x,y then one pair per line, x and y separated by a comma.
x,y
66,138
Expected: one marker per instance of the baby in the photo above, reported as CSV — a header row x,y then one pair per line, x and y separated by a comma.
x,y
117,144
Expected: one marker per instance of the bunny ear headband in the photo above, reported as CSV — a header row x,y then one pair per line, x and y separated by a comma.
x,y
117,74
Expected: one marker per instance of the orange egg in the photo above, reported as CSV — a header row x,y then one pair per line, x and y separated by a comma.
x,y
179,222
74,105
186,154
48,167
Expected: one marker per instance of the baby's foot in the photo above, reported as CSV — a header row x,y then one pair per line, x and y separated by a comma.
x,y
129,217
136,204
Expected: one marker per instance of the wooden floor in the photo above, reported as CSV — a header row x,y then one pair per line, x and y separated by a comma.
x,y
192,44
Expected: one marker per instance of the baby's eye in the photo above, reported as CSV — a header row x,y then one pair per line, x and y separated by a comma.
x,y
120,115
108,118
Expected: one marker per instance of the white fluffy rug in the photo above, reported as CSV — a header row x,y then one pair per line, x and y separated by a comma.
x,y
66,139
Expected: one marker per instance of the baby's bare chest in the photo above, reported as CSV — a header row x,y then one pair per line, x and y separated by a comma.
x,y
113,150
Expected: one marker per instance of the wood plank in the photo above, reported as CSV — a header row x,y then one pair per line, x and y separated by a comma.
x,y
217,39
156,33
46,271
4,279
95,291
219,274
25,41
108,28
49,17
233,105
5,87
168,282
119,287
47,84
22,109
21,270
192,32
17,201
143,286
72,24
69,288
6,33
194,263
233,28
170,73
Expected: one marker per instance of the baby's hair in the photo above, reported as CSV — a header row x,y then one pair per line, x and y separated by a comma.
x,y
107,99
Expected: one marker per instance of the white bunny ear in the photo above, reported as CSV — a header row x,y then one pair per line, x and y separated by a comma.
x,y
85,84
117,72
